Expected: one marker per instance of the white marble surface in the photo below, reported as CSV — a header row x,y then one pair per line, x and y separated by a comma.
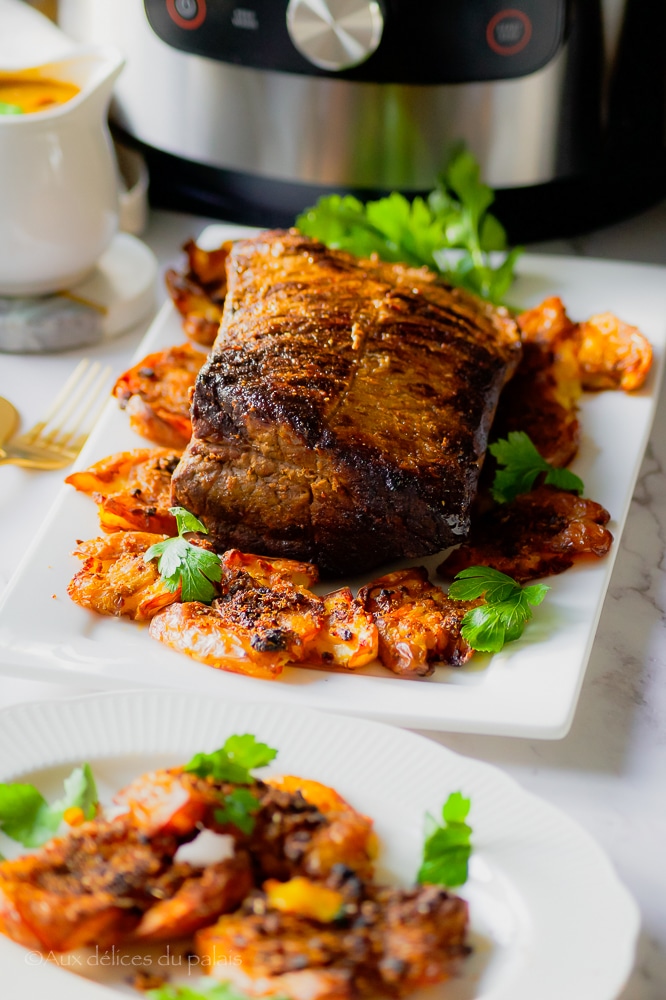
x,y
610,771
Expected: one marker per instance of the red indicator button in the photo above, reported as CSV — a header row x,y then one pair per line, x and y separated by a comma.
x,y
508,32
187,13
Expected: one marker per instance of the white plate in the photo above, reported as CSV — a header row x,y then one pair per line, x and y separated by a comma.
x,y
549,918
530,689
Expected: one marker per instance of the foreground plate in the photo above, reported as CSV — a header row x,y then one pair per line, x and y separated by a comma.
x,y
549,918
530,689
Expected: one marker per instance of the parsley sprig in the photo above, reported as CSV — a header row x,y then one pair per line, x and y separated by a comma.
x,y
234,762
27,817
507,608
181,564
522,464
206,991
424,231
448,845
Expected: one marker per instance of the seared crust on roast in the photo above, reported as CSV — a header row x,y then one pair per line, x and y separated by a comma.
x,y
342,417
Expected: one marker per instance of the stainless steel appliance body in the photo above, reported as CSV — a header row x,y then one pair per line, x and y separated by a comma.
x,y
252,110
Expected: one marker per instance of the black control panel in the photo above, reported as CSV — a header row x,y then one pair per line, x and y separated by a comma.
x,y
423,41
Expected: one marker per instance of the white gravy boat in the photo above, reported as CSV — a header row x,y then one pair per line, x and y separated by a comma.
x,y
59,179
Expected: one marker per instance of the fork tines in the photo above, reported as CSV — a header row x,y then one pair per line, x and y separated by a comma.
x,y
72,414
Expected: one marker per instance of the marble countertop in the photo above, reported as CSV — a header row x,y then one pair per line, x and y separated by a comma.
x,y
609,773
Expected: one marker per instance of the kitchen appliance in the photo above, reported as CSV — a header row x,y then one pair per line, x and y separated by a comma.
x,y
249,110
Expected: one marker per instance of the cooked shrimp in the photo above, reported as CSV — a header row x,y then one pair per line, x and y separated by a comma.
x,y
156,394
115,578
132,489
418,624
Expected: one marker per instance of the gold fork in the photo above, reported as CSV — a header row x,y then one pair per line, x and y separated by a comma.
x,y
58,437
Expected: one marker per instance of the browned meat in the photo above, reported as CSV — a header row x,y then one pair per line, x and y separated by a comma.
x,y
540,533
542,400
343,415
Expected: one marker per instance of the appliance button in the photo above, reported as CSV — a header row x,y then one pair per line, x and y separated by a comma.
x,y
187,14
335,34
508,32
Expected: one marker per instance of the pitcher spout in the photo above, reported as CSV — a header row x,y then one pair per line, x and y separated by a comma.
x,y
92,70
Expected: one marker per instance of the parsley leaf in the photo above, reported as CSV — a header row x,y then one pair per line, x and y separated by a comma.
x,y
26,816
181,564
238,808
450,231
215,991
233,761
447,847
523,464
507,608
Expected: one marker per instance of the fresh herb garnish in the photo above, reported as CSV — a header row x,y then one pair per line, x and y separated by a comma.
x,y
522,464
26,816
10,109
507,607
447,847
238,809
234,762
215,991
181,564
454,217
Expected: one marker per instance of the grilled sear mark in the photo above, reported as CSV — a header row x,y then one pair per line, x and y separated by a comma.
x,y
343,414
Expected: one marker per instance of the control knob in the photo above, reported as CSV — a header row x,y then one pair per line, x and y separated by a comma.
x,y
335,34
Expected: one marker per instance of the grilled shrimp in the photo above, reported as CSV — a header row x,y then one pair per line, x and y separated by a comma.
x,y
132,489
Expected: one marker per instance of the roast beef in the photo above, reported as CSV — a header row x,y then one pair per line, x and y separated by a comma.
x,y
342,417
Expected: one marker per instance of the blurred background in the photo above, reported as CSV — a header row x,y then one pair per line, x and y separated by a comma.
x,y
250,111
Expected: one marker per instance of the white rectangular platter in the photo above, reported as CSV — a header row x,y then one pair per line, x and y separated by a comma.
x,y
530,689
